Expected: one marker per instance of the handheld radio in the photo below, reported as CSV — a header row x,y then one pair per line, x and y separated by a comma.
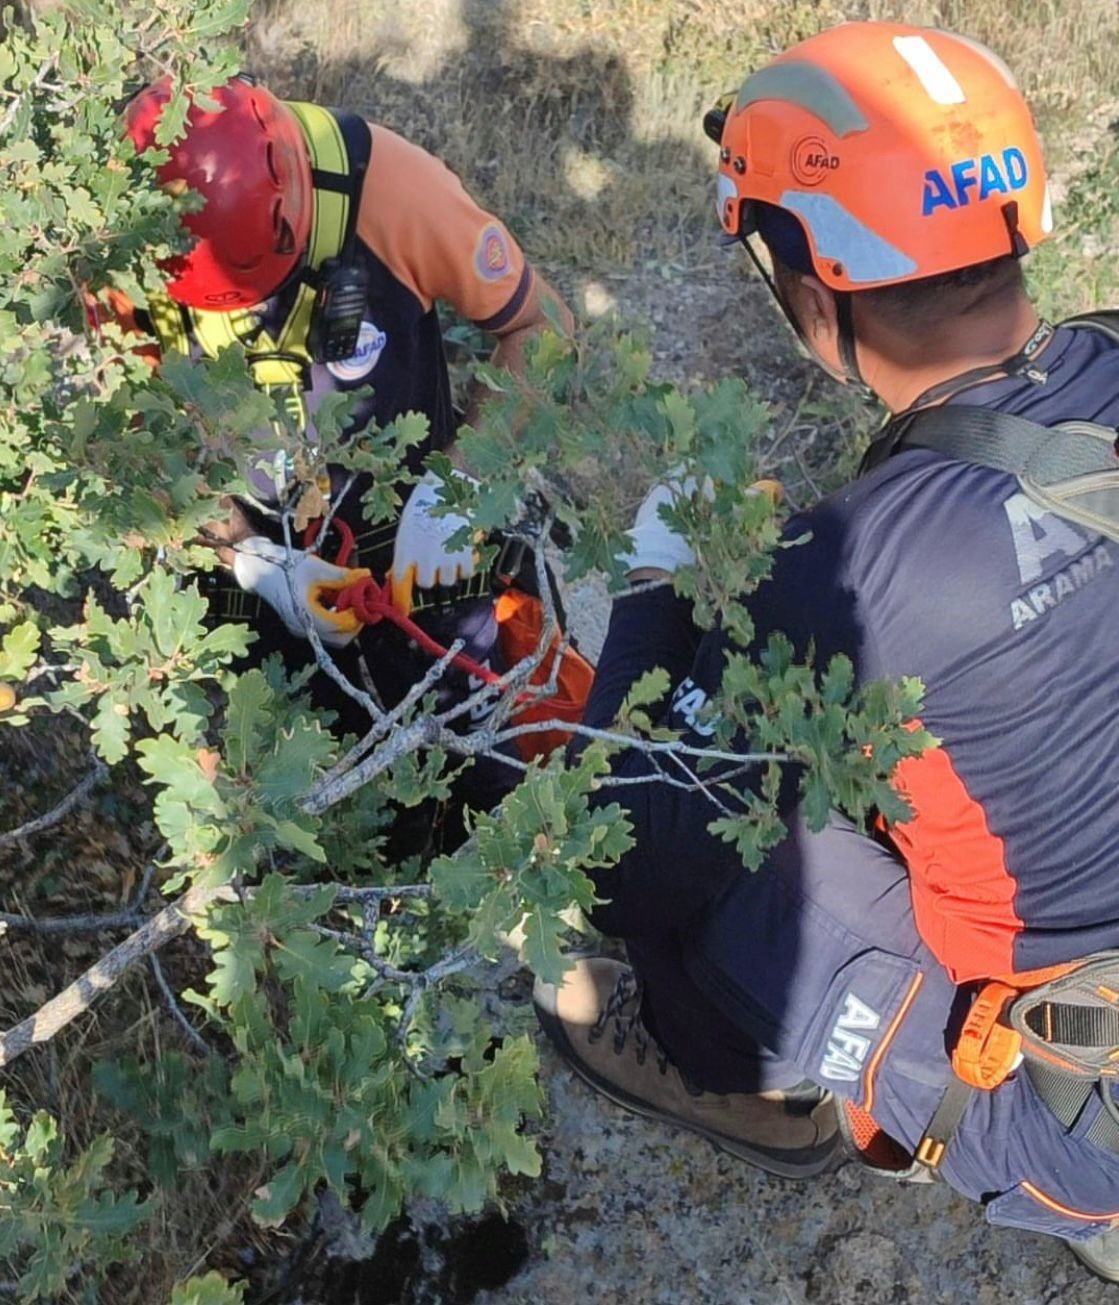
x,y
340,301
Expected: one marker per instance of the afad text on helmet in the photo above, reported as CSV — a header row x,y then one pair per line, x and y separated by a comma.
x,y
811,160
986,175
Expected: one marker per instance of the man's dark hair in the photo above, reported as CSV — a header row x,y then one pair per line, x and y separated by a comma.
x,y
934,300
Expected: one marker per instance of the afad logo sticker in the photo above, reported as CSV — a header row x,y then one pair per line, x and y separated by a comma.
x,y
811,161
371,341
986,175
491,255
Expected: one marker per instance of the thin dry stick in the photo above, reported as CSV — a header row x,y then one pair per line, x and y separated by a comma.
x,y
130,918
173,1006
71,1002
72,923
77,795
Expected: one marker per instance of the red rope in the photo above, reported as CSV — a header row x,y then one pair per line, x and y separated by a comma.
x,y
368,602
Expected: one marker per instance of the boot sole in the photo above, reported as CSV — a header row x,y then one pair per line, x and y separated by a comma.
x,y
803,1164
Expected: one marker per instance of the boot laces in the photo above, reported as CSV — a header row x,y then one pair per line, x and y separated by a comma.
x,y
628,989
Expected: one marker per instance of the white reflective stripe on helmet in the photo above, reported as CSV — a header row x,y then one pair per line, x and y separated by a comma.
x,y
842,238
934,74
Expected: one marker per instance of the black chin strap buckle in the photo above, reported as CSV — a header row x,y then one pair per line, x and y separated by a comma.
x,y
1023,364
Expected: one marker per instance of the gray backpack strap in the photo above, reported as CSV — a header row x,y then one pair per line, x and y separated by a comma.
x,y
1071,469
1106,321
1043,454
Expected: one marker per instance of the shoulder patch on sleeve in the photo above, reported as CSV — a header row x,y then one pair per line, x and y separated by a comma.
x,y
492,259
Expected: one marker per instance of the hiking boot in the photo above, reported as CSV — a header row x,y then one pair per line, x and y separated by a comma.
x,y
593,1019
1100,1254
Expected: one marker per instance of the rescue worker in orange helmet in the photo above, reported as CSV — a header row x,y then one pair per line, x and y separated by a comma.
x,y
888,179
324,246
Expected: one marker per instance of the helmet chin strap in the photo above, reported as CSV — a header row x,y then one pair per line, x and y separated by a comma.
x,y
845,322
848,352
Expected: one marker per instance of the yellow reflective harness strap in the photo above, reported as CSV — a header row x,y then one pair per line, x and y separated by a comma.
x,y
332,212
168,324
328,155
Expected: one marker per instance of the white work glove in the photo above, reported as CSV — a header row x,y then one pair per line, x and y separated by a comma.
x,y
421,557
655,543
259,566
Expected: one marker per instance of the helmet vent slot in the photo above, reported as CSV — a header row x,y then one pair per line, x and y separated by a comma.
x,y
285,237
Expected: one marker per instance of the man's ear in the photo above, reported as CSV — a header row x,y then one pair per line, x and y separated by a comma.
x,y
817,314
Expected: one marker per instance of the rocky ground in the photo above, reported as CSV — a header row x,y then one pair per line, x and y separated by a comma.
x,y
634,1213
629,1212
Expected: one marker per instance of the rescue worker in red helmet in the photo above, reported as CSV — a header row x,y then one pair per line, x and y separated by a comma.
x,y
894,179
323,247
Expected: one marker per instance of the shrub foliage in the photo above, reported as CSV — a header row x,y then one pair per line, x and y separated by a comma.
x,y
326,1013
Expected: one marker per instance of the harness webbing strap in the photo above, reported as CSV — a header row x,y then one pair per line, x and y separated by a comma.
x,y
990,438
1001,440
169,322
1066,1097
1106,321
328,155
1078,1026
942,1127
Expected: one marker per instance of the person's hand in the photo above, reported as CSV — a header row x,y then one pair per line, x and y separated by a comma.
x,y
421,557
658,551
260,567
657,548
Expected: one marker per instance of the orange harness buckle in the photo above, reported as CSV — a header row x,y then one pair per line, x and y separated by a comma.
x,y
987,1050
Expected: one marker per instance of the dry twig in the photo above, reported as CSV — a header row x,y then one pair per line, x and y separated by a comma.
x,y
72,1001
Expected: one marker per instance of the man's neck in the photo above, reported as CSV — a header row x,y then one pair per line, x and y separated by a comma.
x,y
900,373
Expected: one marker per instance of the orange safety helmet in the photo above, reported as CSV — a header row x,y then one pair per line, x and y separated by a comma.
x,y
251,164
902,152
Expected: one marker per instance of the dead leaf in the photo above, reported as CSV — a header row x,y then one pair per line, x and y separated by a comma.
x,y
311,506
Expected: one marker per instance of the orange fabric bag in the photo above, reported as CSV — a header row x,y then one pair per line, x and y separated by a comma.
x,y
520,623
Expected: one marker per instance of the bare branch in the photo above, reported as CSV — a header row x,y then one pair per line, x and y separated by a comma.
x,y
409,738
452,963
64,924
696,782
511,688
323,658
130,918
176,1010
483,740
379,893
381,727
17,100
799,459
74,798
336,502
172,921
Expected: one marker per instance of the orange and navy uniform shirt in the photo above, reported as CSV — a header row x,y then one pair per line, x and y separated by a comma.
x,y
1009,614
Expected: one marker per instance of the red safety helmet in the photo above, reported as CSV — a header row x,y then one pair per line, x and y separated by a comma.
x,y
250,163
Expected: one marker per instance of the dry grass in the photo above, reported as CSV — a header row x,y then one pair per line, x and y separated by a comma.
x,y
579,121
93,863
